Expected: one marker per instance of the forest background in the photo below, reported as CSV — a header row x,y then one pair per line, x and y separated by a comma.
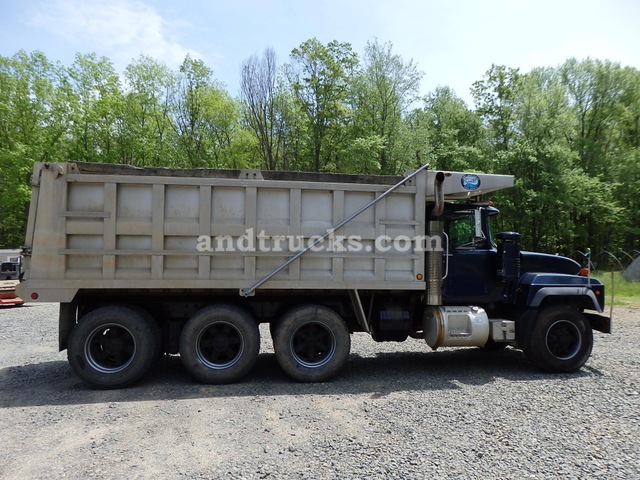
x,y
570,134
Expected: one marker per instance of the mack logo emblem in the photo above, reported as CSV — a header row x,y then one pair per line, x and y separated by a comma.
x,y
471,182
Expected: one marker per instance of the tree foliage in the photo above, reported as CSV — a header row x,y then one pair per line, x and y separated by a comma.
x,y
260,98
382,95
570,134
144,127
320,76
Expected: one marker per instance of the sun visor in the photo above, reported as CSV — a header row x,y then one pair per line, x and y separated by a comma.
x,y
460,185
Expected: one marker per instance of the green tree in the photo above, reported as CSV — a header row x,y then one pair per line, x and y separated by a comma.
x,y
382,94
221,122
593,88
33,127
495,96
456,134
292,127
145,130
96,105
259,94
601,100
523,115
320,76
414,141
204,116
626,159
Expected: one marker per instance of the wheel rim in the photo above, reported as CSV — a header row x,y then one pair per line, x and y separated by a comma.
x,y
313,345
110,348
563,339
219,345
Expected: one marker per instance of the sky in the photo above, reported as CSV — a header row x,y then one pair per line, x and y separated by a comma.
x,y
454,42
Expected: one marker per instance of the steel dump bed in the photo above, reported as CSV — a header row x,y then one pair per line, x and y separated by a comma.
x,y
105,227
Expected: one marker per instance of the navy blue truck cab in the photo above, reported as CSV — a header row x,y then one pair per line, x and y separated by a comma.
x,y
552,303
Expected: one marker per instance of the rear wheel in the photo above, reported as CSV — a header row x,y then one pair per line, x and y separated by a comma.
x,y
561,340
112,347
220,344
312,343
156,330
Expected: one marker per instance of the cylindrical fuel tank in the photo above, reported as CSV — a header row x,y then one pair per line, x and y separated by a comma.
x,y
455,326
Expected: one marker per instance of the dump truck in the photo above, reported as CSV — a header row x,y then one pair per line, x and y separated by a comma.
x,y
146,262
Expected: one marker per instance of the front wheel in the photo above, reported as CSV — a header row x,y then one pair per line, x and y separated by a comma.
x,y
112,346
561,340
311,342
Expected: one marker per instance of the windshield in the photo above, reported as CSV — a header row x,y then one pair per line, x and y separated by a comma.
x,y
8,267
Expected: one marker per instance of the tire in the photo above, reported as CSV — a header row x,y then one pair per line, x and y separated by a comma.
x,y
561,340
273,326
112,347
157,334
312,343
219,344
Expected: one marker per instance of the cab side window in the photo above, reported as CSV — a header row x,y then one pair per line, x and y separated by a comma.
x,y
461,230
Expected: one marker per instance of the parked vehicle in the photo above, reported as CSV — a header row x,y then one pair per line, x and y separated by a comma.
x,y
151,261
11,270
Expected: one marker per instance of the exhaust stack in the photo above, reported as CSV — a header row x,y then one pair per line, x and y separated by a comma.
x,y
435,258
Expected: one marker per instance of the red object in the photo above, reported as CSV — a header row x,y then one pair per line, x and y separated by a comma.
x,y
8,296
11,301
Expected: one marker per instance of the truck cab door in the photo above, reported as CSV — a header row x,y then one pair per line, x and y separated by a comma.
x,y
470,258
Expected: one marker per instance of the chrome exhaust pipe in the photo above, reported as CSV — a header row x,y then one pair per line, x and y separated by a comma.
x,y
435,258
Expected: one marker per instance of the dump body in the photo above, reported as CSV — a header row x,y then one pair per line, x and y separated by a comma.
x,y
101,227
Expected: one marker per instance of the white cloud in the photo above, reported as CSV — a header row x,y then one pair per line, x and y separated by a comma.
x,y
118,29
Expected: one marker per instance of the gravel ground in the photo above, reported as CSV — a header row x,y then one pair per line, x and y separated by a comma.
x,y
395,411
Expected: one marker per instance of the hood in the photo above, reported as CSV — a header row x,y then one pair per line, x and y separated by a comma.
x,y
545,263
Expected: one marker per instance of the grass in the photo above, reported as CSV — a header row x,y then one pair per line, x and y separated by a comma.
x,y
625,293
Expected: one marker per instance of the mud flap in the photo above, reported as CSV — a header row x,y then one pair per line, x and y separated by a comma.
x,y
598,322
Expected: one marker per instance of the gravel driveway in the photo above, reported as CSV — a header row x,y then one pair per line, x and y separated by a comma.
x,y
395,411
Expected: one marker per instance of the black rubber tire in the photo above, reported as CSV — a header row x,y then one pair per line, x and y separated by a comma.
x,y
312,343
157,334
561,340
273,326
220,344
112,347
